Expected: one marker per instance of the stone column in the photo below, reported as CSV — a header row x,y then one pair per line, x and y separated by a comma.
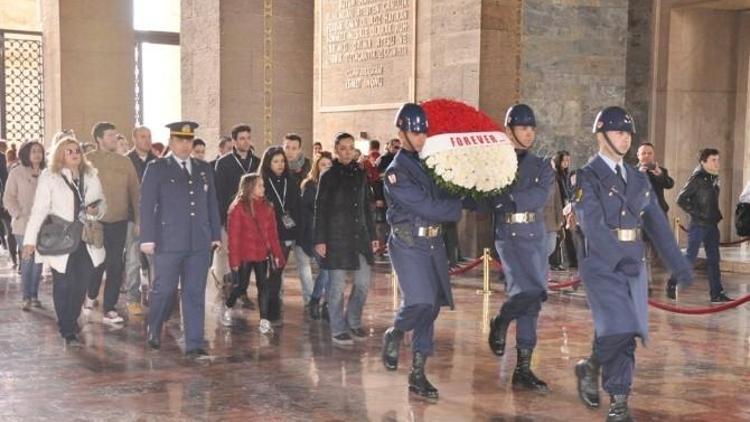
x,y
248,61
88,65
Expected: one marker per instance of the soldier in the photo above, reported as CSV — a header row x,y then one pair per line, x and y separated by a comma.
x,y
614,203
520,240
416,208
179,225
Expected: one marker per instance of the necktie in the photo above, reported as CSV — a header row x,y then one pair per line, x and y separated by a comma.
x,y
618,170
185,169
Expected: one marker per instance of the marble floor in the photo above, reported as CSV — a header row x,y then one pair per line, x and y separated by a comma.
x,y
697,368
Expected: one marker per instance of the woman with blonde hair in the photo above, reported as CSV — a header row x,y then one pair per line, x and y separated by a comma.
x,y
70,190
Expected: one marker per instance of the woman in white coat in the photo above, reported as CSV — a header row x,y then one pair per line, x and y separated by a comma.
x,y
70,189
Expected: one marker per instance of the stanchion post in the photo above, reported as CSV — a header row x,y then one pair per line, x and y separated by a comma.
x,y
394,289
677,230
485,273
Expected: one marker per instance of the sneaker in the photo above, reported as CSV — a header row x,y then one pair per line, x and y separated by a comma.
x,y
721,298
358,334
343,339
226,317
88,304
136,309
112,317
265,327
36,303
26,305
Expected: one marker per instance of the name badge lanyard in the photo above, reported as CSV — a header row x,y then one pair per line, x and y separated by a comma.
x,y
77,191
281,201
250,165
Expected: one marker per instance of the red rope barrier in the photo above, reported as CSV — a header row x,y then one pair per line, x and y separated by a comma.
x,y
464,268
558,285
700,311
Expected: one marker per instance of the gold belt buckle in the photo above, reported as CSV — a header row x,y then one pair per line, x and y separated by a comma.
x,y
520,218
627,235
429,231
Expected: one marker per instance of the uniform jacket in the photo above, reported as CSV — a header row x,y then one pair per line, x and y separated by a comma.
x,y
522,246
604,202
414,200
179,214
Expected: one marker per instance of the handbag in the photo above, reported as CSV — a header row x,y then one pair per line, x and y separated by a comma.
x,y
93,234
58,236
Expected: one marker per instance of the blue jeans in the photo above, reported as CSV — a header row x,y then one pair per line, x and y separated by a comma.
x,y
322,281
341,323
709,237
31,274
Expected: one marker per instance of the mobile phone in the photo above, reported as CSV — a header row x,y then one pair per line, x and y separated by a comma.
x,y
94,204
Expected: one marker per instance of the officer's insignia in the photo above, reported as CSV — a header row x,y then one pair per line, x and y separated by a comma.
x,y
187,129
392,178
579,194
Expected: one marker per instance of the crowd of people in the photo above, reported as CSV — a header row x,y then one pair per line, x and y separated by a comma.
x,y
144,220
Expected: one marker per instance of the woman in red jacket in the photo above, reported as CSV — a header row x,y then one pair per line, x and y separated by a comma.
x,y
253,243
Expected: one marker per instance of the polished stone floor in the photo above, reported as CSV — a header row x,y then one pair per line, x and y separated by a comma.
x,y
697,368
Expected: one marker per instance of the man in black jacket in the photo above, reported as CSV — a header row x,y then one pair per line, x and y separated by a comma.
x,y
657,175
343,236
700,199
229,169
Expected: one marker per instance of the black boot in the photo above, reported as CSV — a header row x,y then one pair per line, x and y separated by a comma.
x,y
314,308
587,373
418,383
324,312
391,344
498,332
618,409
523,377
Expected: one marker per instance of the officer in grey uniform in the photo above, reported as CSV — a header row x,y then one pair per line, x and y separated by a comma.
x,y
179,226
615,205
416,209
520,240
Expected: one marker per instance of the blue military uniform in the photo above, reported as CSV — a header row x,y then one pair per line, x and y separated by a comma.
x,y
180,215
614,202
520,239
416,208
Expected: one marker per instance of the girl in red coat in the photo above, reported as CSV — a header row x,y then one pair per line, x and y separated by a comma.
x,y
253,246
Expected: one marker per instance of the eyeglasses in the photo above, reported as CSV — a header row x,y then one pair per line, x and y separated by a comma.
x,y
73,151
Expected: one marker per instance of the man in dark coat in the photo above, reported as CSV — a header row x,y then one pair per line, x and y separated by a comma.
x,y
416,209
614,204
343,236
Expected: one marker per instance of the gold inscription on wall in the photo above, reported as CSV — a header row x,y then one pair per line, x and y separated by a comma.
x,y
366,55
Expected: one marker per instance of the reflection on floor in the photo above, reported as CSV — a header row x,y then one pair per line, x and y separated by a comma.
x,y
697,368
